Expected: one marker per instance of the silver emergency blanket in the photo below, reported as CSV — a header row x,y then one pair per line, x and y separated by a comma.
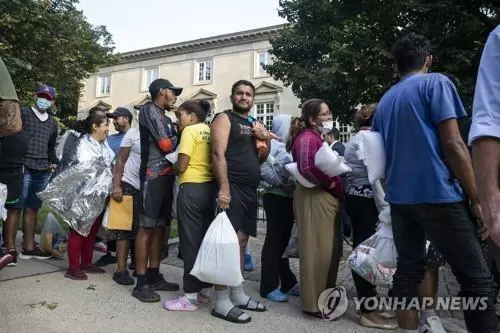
x,y
80,191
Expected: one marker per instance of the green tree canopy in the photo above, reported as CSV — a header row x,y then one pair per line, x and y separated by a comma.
x,y
339,50
50,41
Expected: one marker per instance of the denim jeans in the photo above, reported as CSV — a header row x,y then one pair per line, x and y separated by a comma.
x,y
452,230
34,181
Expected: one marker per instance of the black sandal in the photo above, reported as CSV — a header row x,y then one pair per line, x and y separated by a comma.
x,y
232,316
253,305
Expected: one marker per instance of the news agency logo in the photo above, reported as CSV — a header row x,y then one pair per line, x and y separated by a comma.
x,y
333,303
419,304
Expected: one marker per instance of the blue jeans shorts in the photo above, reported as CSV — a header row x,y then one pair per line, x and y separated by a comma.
x,y
34,181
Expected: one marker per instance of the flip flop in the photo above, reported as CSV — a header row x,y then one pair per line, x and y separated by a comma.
x,y
232,316
253,305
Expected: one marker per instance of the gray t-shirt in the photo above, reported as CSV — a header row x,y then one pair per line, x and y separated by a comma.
x,y
356,181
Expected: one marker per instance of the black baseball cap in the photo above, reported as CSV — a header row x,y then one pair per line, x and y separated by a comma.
x,y
121,112
158,84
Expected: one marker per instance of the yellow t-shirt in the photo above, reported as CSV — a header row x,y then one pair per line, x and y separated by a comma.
x,y
195,143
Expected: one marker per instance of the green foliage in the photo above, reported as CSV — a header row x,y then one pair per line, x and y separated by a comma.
x,y
339,50
50,41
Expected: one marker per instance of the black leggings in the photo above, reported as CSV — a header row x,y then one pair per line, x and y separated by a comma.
x,y
276,270
364,216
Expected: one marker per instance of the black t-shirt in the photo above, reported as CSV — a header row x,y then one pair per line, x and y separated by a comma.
x,y
243,165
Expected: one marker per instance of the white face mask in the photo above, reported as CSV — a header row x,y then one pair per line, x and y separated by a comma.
x,y
43,103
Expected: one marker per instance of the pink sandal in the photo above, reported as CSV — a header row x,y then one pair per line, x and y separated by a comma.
x,y
180,304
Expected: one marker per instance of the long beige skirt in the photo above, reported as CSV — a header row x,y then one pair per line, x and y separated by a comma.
x,y
320,243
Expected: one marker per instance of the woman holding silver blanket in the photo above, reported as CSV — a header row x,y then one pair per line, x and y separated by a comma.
x,y
79,193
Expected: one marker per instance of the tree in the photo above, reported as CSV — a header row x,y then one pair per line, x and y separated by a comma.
x,y
50,41
339,50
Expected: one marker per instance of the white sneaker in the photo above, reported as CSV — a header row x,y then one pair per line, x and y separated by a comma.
x,y
432,325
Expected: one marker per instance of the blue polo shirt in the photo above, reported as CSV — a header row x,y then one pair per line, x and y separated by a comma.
x,y
407,118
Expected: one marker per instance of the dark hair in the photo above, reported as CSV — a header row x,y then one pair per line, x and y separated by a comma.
x,y
96,109
242,83
200,108
334,132
410,52
310,108
84,126
364,116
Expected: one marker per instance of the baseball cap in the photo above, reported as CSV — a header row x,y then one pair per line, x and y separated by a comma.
x,y
120,112
158,84
47,91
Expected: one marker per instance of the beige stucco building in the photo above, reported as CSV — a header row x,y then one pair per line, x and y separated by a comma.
x,y
206,69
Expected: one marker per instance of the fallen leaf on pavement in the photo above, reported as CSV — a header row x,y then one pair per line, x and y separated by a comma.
x,y
91,287
52,306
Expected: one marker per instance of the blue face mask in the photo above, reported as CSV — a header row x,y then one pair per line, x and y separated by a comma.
x,y
43,103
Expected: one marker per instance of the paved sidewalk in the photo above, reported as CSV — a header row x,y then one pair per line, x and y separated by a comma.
x,y
448,285
35,297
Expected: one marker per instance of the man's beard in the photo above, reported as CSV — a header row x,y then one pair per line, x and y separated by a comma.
x,y
240,109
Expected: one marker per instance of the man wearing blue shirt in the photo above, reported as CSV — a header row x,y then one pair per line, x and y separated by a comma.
x,y
429,176
485,133
122,120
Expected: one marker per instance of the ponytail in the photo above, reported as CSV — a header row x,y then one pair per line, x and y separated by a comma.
x,y
296,127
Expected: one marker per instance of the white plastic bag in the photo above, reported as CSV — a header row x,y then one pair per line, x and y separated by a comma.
x,y
372,152
54,239
385,251
218,260
3,199
330,162
362,262
294,171
381,246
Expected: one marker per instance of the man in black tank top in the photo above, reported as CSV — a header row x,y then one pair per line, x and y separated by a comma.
x,y
236,163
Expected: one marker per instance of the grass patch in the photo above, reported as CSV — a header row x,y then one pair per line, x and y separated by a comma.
x,y
174,229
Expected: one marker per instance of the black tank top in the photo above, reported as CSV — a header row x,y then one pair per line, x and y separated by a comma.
x,y
243,165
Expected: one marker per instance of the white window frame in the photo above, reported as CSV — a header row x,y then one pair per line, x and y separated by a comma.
x,y
99,83
205,79
266,117
145,73
268,60
345,131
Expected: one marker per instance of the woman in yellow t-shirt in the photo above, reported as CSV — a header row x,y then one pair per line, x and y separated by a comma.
x,y
195,200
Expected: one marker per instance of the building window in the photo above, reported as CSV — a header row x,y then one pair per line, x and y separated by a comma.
x,y
264,112
263,59
148,76
103,85
345,131
204,71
